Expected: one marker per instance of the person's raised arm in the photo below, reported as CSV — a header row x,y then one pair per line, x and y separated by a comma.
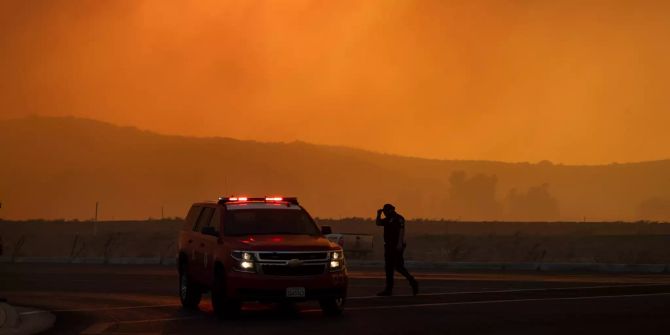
x,y
379,220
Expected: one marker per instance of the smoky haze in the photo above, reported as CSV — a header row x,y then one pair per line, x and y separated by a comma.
x,y
577,82
58,168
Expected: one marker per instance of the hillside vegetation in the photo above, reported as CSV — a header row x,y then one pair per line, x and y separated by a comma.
x,y
57,168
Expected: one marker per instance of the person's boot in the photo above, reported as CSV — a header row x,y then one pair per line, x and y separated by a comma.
x,y
415,286
385,293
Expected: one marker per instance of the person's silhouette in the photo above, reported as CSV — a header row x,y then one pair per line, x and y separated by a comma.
x,y
394,247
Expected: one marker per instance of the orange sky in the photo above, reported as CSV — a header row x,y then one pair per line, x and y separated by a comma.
x,y
567,81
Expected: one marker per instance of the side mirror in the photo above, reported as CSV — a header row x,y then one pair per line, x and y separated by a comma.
x,y
209,231
326,230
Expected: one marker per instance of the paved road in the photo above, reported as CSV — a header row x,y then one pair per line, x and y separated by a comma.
x,y
142,299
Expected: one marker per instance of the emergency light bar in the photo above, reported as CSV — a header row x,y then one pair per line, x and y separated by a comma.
x,y
225,200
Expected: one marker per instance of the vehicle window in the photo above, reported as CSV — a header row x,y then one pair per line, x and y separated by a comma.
x,y
268,221
216,220
204,218
192,217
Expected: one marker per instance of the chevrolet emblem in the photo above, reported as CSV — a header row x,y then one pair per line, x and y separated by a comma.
x,y
294,263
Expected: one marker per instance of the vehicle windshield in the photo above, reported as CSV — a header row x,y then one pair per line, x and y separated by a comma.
x,y
269,221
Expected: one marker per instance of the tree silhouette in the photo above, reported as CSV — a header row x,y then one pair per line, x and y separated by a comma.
x,y
535,204
473,198
655,208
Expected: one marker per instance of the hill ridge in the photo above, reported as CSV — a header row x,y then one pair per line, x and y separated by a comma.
x,y
134,172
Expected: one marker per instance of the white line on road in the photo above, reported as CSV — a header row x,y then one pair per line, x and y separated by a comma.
x,y
513,291
162,320
99,328
439,304
93,309
33,312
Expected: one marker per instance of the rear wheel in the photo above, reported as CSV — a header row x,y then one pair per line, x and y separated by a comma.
x,y
332,306
189,292
224,307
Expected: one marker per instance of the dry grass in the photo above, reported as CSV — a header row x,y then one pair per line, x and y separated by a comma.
x,y
616,242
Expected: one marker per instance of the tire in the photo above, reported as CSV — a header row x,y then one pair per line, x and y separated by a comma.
x,y
332,306
189,292
224,307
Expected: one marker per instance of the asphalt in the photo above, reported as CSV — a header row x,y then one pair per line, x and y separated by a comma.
x,y
133,299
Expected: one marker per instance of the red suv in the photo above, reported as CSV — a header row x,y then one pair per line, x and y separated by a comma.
x,y
258,249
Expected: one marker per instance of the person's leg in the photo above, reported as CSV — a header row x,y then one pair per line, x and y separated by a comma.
x,y
400,267
389,265
390,261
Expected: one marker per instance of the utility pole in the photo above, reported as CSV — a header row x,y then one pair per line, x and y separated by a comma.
x,y
95,220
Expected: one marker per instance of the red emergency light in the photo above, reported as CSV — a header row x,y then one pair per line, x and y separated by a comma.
x,y
292,200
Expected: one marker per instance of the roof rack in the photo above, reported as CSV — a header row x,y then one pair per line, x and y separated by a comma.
x,y
240,199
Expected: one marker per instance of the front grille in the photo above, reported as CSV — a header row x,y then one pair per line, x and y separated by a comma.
x,y
285,256
285,270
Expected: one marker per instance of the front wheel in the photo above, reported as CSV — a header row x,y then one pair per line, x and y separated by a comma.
x,y
189,293
332,306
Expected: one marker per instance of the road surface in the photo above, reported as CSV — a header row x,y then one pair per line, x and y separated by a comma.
x,y
106,299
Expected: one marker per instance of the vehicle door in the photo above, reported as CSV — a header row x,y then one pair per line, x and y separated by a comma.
x,y
210,242
199,245
186,235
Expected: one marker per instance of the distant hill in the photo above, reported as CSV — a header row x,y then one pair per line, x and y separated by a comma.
x,y
59,167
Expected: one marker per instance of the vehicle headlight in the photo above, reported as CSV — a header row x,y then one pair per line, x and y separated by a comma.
x,y
245,261
336,260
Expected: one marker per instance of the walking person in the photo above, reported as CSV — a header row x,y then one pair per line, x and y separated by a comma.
x,y
394,247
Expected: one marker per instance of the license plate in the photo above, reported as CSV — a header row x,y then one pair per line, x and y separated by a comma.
x,y
295,292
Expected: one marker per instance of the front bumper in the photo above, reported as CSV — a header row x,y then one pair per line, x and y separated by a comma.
x,y
259,287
